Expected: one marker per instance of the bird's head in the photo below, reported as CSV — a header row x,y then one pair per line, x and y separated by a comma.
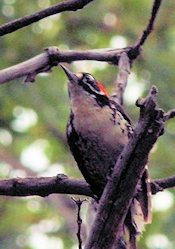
x,y
85,84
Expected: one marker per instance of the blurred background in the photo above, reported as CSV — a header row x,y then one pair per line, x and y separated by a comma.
x,y
33,117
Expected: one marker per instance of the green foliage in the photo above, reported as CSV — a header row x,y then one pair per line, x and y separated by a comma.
x,y
45,105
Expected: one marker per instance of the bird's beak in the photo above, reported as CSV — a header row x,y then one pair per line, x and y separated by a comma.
x,y
71,76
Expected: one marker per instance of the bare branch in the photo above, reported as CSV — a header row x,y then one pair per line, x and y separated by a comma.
x,y
120,188
122,77
61,184
52,56
69,5
79,220
161,184
124,63
44,186
45,61
169,115
23,69
150,24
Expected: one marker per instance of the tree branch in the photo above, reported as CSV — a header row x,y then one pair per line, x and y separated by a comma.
x,y
150,24
122,77
170,115
79,221
45,61
121,187
61,184
52,56
161,184
69,5
44,186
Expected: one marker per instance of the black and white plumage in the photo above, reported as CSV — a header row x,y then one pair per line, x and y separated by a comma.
x,y
97,131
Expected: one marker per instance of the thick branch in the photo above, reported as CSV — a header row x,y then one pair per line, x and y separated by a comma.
x,y
45,61
60,184
69,5
120,188
44,186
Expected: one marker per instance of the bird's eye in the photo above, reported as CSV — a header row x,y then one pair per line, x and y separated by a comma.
x,y
89,82
88,78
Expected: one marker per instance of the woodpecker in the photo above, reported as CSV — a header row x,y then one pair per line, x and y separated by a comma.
x,y
97,131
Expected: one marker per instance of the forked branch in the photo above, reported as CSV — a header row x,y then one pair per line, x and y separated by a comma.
x,y
52,56
120,188
44,61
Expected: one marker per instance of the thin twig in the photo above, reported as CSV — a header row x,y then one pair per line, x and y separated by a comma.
x,y
79,220
69,5
150,24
